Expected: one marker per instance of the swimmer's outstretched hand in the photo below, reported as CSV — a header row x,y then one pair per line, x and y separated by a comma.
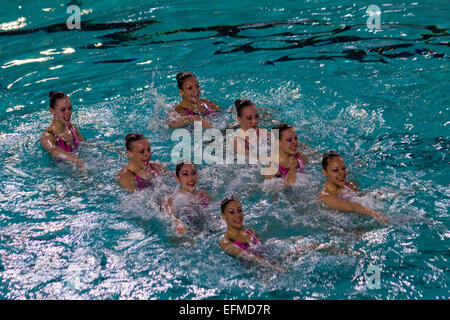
x,y
206,124
381,218
80,163
180,228
279,269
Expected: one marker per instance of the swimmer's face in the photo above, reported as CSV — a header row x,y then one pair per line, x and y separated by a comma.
x,y
62,110
336,171
249,118
188,177
234,215
289,141
140,153
191,90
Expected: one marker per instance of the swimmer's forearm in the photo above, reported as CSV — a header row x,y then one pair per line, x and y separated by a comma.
x,y
63,155
359,208
182,121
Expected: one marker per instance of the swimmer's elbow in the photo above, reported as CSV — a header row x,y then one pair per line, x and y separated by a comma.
x,y
171,124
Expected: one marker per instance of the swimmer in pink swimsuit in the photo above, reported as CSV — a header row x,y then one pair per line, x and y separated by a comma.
x,y
62,138
191,108
238,241
290,160
338,193
139,173
66,146
144,183
248,119
187,205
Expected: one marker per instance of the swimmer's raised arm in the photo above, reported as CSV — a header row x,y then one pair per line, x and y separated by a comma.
x,y
180,227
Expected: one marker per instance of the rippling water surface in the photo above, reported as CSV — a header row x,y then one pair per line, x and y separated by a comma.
x,y
379,97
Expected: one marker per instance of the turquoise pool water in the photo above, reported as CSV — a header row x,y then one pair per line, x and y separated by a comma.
x,y
378,97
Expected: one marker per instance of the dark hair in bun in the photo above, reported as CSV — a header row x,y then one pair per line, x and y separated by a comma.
x,y
225,202
132,137
281,127
327,157
241,104
180,165
55,96
183,76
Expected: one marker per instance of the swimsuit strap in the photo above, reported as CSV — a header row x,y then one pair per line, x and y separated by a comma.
x,y
64,145
242,245
191,113
300,167
208,110
76,141
141,183
203,199
301,164
255,239
155,173
300,161
347,187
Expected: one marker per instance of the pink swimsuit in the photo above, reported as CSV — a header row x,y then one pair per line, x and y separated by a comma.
x,y
246,245
283,171
64,145
207,112
142,183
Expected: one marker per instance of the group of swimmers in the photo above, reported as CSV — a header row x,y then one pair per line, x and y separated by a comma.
x,y
62,138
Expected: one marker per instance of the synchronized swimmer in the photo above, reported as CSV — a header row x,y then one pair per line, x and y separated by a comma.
x,y
62,137
191,108
337,192
244,243
291,161
139,172
186,206
247,116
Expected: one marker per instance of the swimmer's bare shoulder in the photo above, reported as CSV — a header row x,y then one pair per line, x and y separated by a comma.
x,y
352,186
126,179
48,140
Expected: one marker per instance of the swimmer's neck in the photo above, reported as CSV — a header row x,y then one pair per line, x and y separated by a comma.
x,y
187,192
133,166
245,129
284,157
190,106
234,233
333,188
58,126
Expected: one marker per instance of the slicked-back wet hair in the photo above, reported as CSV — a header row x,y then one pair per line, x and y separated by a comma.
x,y
55,96
241,104
182,76
131,138
327,157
